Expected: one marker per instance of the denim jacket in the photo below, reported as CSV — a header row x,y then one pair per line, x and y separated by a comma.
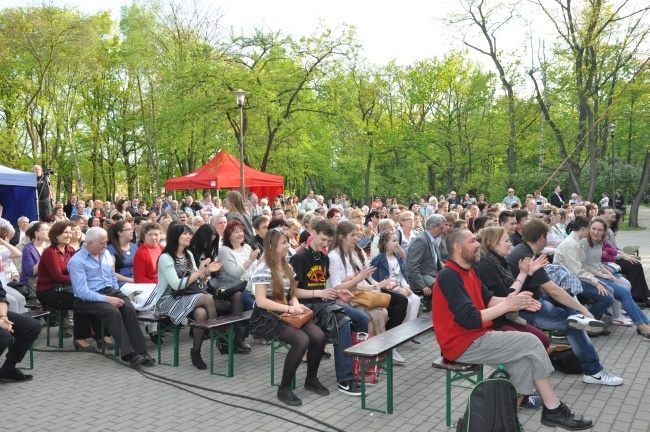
x,y
383,272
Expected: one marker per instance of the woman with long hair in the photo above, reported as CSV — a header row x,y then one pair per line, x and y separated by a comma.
x,y
350,270
53,276
496,275
32,252
390,265
205,245
275,293
238,211
593,247
120,209
178,271
123,251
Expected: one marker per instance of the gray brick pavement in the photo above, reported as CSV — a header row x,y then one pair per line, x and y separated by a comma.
x,y
82,391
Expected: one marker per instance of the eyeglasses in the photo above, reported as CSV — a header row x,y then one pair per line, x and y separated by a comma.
x,y
127,230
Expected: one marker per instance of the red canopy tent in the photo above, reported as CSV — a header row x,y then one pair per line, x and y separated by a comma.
x,y
222,172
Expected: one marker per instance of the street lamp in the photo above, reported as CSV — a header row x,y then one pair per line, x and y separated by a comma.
x,y
241,98
612,132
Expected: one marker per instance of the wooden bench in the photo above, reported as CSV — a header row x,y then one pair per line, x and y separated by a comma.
x,y
384,343
164,324
36,314
214,327
455,371
632,250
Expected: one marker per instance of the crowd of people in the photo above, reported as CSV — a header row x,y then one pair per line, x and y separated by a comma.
x,y
500,277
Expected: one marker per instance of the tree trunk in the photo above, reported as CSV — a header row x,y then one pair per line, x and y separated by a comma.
x,y
633,220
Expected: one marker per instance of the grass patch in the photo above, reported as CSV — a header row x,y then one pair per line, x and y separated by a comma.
x,y
625,227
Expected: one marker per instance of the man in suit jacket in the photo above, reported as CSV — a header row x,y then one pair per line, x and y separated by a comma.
x,y
556,198
423,257
23,224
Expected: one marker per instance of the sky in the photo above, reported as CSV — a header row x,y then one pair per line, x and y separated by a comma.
x,y
401,31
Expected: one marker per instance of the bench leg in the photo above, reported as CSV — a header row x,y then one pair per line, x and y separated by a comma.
x,y
117,346
228,335
59,313
385,364
472,377
448,397
276,345
175,331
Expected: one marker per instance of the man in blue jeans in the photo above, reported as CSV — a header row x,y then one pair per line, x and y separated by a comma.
x,y
559,310
311,268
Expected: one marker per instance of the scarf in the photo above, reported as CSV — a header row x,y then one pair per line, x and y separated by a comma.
x,y
501,266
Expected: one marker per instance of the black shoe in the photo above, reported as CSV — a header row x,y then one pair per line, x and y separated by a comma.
x,y
601,333
154,338
327,355
137,360
222,346
148,361
197,361
287,396
563,417
315,386
350,388
15,376
242,347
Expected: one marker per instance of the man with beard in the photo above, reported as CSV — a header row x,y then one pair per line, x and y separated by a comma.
x,y
463,310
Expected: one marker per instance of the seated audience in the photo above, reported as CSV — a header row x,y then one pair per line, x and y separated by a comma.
x,y
177,271
97,293
122,250
54,286
275,293
145,261
463,310
13,298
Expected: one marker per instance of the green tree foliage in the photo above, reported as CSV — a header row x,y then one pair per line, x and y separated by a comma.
x,y
118,107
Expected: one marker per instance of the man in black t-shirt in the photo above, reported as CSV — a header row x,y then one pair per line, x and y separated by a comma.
x,y
563,316
311,266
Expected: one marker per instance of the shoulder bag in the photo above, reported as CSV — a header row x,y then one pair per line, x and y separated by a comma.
x,y
295,321
223,286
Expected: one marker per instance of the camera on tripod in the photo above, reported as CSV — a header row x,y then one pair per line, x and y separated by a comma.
x,y
48,171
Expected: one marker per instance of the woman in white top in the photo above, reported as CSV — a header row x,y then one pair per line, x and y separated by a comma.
x,y
407,229
350,270
238,258
385,225
275,294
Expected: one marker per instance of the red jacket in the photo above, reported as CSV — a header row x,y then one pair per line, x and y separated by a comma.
x,y
145,270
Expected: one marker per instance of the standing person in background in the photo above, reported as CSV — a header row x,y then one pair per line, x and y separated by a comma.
x,y
511,198
619,202
44,192
238,211
557,199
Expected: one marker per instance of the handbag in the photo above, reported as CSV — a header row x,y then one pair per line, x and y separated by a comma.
x,y
564,359
22,288
223,286
296,321
372,372
63,288
194,288
372,299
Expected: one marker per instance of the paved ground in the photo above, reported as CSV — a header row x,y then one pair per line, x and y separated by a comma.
x,y
84,391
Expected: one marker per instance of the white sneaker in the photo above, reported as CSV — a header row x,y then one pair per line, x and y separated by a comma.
x,y
622,321
581,322
398,358
603,378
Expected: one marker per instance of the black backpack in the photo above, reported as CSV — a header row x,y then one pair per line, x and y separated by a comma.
x,y
492,406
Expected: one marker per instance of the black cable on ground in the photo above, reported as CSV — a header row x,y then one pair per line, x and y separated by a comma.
x,y
178,384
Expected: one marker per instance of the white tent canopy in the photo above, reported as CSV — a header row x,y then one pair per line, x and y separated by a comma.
x,y
12,177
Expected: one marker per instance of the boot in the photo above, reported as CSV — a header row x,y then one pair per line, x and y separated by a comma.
x,y
240,340
197,361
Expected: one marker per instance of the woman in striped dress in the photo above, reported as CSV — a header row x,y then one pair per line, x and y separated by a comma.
x,y
177,271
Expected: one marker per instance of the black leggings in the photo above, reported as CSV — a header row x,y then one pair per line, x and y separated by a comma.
x,y
634,273
311,338
84,324
396,309
234,305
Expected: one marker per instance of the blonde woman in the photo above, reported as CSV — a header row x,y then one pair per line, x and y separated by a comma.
x,y
275,293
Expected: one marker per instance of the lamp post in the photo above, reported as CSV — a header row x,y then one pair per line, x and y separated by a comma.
x,y
612,132
241,98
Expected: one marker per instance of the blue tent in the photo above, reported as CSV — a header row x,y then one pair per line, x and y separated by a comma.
x,y
18,194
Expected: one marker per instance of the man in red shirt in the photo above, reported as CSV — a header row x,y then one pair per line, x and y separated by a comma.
x,y
463,310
